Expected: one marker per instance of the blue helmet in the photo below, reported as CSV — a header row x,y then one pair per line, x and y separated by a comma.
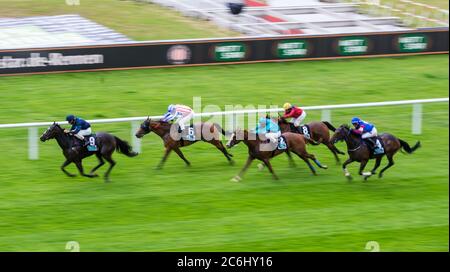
x,y
70,118
355,120
171,107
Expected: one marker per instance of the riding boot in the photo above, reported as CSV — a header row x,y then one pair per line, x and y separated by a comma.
x,y
371,142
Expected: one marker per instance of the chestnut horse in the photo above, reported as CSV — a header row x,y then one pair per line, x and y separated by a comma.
x,y
320,134
207,132
296,144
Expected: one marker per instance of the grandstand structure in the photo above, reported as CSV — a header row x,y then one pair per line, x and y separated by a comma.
x,y
51,31
275,17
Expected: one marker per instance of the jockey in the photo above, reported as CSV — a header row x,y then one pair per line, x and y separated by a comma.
x,y
366,130
80,127
269,129
294,112
180,113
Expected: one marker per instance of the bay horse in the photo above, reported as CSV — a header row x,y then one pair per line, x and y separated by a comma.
x,y
296,143
207,132
106,144
360,152
319,132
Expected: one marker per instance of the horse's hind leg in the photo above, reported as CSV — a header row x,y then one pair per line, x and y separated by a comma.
x,y
63,166
291,160
246,166
80,168
267,163
315,160
112,163
181,155
101,163
390,164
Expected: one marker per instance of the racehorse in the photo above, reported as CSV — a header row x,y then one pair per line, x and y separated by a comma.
x,y
319,133
163,130
296,143
360,152
106,144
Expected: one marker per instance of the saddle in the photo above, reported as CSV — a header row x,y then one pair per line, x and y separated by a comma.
x,y
282,144
377,148
90,142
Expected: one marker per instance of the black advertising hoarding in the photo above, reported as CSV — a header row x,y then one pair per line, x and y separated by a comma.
x,y
222,51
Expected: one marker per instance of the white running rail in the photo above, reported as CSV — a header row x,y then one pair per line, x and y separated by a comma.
x,y
416,122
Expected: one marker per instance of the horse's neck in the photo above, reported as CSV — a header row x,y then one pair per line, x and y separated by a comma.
x,y
63,140
352,142
161,131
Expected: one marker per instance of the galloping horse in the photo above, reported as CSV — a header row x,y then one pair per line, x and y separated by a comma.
x,y
360,152
320,134
106,143
296,143
163,130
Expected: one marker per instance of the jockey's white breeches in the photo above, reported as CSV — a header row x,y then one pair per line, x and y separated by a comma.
x,y
299,120
182,121
372,133
83,132
273,136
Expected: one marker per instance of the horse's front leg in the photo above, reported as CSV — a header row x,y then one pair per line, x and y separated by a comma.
x,y
63,166
164,158
344,167
267,163
246,166
80,169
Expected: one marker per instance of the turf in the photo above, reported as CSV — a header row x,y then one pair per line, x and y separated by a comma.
x,y
198,208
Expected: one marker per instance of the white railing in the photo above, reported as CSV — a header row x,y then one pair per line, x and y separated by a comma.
x,y
416,122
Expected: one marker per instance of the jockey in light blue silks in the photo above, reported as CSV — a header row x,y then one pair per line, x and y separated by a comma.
x,y
368,132
269,129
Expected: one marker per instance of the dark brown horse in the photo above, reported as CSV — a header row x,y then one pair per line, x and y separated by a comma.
x,y
296,144
319,132
106,144
207,132
360,152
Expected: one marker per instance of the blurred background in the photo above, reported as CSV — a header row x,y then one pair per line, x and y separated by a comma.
x,y
198,208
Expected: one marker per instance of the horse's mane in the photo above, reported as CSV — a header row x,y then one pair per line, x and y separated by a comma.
x,y
345,126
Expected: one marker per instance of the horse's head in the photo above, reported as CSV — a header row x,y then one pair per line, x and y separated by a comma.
x,y
340,134
236,137
51,132
144,129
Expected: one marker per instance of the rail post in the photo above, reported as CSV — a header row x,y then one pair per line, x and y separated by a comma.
x,y
136,143
417,119
326,115
33,147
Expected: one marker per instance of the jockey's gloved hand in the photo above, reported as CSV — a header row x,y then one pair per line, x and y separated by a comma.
x,y
66,131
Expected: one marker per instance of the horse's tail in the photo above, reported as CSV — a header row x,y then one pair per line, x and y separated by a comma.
x,y
220,129
407,148
124,148
329,126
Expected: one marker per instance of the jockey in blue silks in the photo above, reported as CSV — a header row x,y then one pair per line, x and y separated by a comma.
x,y
269,129
367,131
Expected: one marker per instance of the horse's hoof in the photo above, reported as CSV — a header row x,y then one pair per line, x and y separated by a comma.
x,y
276,178
260,166
107,180
94,175
232,162
236,179
72,175
324,167
349,178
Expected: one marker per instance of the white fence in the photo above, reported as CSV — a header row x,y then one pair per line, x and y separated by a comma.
x,y
416,121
